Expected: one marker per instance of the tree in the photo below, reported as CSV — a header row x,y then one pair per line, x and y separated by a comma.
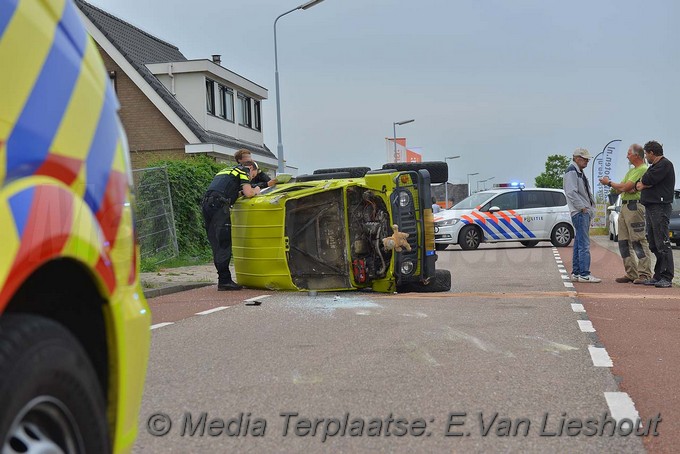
x,y
552,177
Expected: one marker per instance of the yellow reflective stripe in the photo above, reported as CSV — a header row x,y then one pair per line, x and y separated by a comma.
x,y
79,124
118,164
85,239
18,80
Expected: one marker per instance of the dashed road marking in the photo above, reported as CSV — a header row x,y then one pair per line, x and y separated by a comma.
x,y
621,406
586,326
161,325
577,307
600,357
210,311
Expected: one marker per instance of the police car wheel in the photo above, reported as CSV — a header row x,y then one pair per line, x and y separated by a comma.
x,y
51,398
529,243
562,235
469,238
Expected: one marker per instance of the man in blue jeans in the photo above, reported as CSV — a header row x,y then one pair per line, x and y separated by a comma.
x,y
582,209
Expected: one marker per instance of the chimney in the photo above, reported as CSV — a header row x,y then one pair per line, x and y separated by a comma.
x,y
217,59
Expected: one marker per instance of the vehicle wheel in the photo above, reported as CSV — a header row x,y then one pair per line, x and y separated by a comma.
x,y
439,171
611,236
529,243
562,235
322,176
440,246
616,237
354,172
51,398
440,283
469,237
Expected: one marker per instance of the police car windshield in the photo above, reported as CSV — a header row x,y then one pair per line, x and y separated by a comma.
x,y
472,201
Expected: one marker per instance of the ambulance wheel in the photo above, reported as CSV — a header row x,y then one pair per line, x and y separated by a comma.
x,y
441,282
562,235
469,237
439,171
354,172
51,398
529,243
440,246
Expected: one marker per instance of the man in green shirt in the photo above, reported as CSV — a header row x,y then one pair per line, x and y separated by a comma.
x,y
632,240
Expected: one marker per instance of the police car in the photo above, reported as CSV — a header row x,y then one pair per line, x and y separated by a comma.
x,y
506,214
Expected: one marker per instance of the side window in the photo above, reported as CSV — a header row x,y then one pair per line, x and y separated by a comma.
x,y
536,199
210,96
506,201
559,199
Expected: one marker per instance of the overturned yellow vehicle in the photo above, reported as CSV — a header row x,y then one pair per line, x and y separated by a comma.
x,y
325,231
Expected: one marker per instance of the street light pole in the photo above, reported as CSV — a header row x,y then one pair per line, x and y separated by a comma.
x,y
469,175
488,179
480,181
394,126
279,147
446,184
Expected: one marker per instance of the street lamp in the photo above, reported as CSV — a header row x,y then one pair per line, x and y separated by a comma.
x,y
279,147
394,126
488,179
469,175
446,184
480,181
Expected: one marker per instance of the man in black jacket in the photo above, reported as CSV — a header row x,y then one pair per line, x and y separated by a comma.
x,y
657,186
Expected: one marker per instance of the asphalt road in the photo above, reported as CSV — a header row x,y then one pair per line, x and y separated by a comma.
x,y
505,342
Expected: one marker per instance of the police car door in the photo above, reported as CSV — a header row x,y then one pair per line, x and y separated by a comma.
x,y
503,220
537,212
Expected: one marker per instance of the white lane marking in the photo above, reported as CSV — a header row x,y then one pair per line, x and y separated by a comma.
x,y
577,307
586,326
161,325
600,357
568,284
566,277
210,311
621,406
256,298
558,261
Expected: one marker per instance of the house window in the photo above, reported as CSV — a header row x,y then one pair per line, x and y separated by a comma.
x,y
226,96
246,117
210,96
257,122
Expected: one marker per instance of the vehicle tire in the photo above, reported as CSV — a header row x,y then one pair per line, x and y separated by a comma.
x,y
616,238
611,236
354,172
51,397
439,171
469,237
440,246
440,283
562,235
529,243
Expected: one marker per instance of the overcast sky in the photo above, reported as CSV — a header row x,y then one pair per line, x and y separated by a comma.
x,y
503,84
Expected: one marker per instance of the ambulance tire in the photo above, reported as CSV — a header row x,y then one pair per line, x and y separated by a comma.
x,y
354,172
441,282
469,238
51,397
529,243
562,235
438,170
440,246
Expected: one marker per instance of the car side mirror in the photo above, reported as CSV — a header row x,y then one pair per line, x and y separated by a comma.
x,y
494,209
618,209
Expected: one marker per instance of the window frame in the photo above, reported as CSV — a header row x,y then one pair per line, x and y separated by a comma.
x,y
226,97
210,96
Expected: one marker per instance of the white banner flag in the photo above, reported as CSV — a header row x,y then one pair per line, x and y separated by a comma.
x,y
604,165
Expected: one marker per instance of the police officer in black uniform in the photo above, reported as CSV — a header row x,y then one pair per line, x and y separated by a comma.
x,y
216,206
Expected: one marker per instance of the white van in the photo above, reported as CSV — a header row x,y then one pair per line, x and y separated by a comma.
x,y
501,215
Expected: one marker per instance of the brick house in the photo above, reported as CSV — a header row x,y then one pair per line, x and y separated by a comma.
x,y
172,107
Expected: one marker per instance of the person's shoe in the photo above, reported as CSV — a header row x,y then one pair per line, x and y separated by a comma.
x,y
663,283
623,280
231,285
651,281
640,280
589,278
574,278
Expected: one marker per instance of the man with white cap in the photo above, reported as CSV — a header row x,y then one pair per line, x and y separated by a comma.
x,y
582,209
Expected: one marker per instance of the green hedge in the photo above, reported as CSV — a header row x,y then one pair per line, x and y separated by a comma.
x,y
188,181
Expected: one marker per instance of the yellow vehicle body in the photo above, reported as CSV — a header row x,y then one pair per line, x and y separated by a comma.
x,y
326,234
67,240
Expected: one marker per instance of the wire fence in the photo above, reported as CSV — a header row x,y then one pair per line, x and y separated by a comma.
x,y
155,220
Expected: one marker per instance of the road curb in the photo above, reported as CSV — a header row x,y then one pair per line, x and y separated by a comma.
x,y
154,292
